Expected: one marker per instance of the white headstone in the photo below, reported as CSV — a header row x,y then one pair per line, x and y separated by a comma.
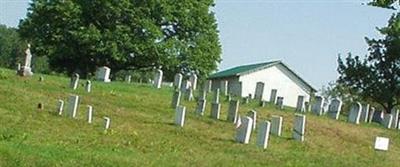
x,y
224,87
73,105
176,99
89,114
201,106
387,120
128,78
259,92
299,127
243,133
26,69
371,114
193,81
381,143
216,96
180,116
74,81
88,86
274,93
178,81
189,94
276,125
60,107
253,115
279,102
364,113
233,111
107,123
158,79
334,109
300,104
208,85
378,116
318,105
395,117
103,74
215,110
354,114
263,134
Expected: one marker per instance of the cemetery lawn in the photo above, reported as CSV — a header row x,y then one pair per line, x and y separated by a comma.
x,y
142,131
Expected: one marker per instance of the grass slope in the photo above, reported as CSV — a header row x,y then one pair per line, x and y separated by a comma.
x,y
142,133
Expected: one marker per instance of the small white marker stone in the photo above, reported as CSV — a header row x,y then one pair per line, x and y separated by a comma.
x,y
90,114
107,122
381,143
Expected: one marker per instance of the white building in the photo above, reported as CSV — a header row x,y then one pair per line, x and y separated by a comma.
x,y
274,79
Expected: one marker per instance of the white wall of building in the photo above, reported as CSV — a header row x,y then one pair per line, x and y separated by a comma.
x,y
275,77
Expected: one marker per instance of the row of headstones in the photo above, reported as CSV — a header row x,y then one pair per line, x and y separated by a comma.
x,y
358,113
246,124
72,110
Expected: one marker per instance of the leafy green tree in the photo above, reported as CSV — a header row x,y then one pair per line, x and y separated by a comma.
x,y
390,4
10,47
377,76
80,35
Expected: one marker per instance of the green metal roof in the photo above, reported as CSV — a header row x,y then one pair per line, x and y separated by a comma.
x,y
240,69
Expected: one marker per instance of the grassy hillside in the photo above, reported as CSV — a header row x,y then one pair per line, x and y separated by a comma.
x,y
142,132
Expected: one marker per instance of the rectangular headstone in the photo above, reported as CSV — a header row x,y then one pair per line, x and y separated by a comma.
x,y
90,114
259,92
216,96
60,107
279,102
193,81
253,115
243,133
300,104
215,110
189,94
201,106
103,74
176,99
364,113
334,109
354,114
233,111
158,77
180,116
395,117
73,106
317,106
378,116
371,114
207,85
382,143
224,87
74,81
299,127
263,134
107,123
178,81
88,86
387,120
274,93
128,78
276,125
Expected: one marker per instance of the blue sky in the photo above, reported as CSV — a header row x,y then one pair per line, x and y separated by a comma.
x,y
307,35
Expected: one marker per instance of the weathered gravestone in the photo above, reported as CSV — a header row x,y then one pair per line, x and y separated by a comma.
x,y
203,95
371,114
176,99
387,120
381,143
73,102
193,81
89,114
259,92
107,123
299,127
378,116
178,81
395,117
88,86
201,106
272,98
224,87
215,110
233,111
74,81
364,113
128,78
186,85
300,104
276,125
103,74
253,115
60,107
18,67
317,106
216,96
243,133
229,97
263,134
208,85
158,77
334,109
26,69
354,114
279,102
180,116
189,94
